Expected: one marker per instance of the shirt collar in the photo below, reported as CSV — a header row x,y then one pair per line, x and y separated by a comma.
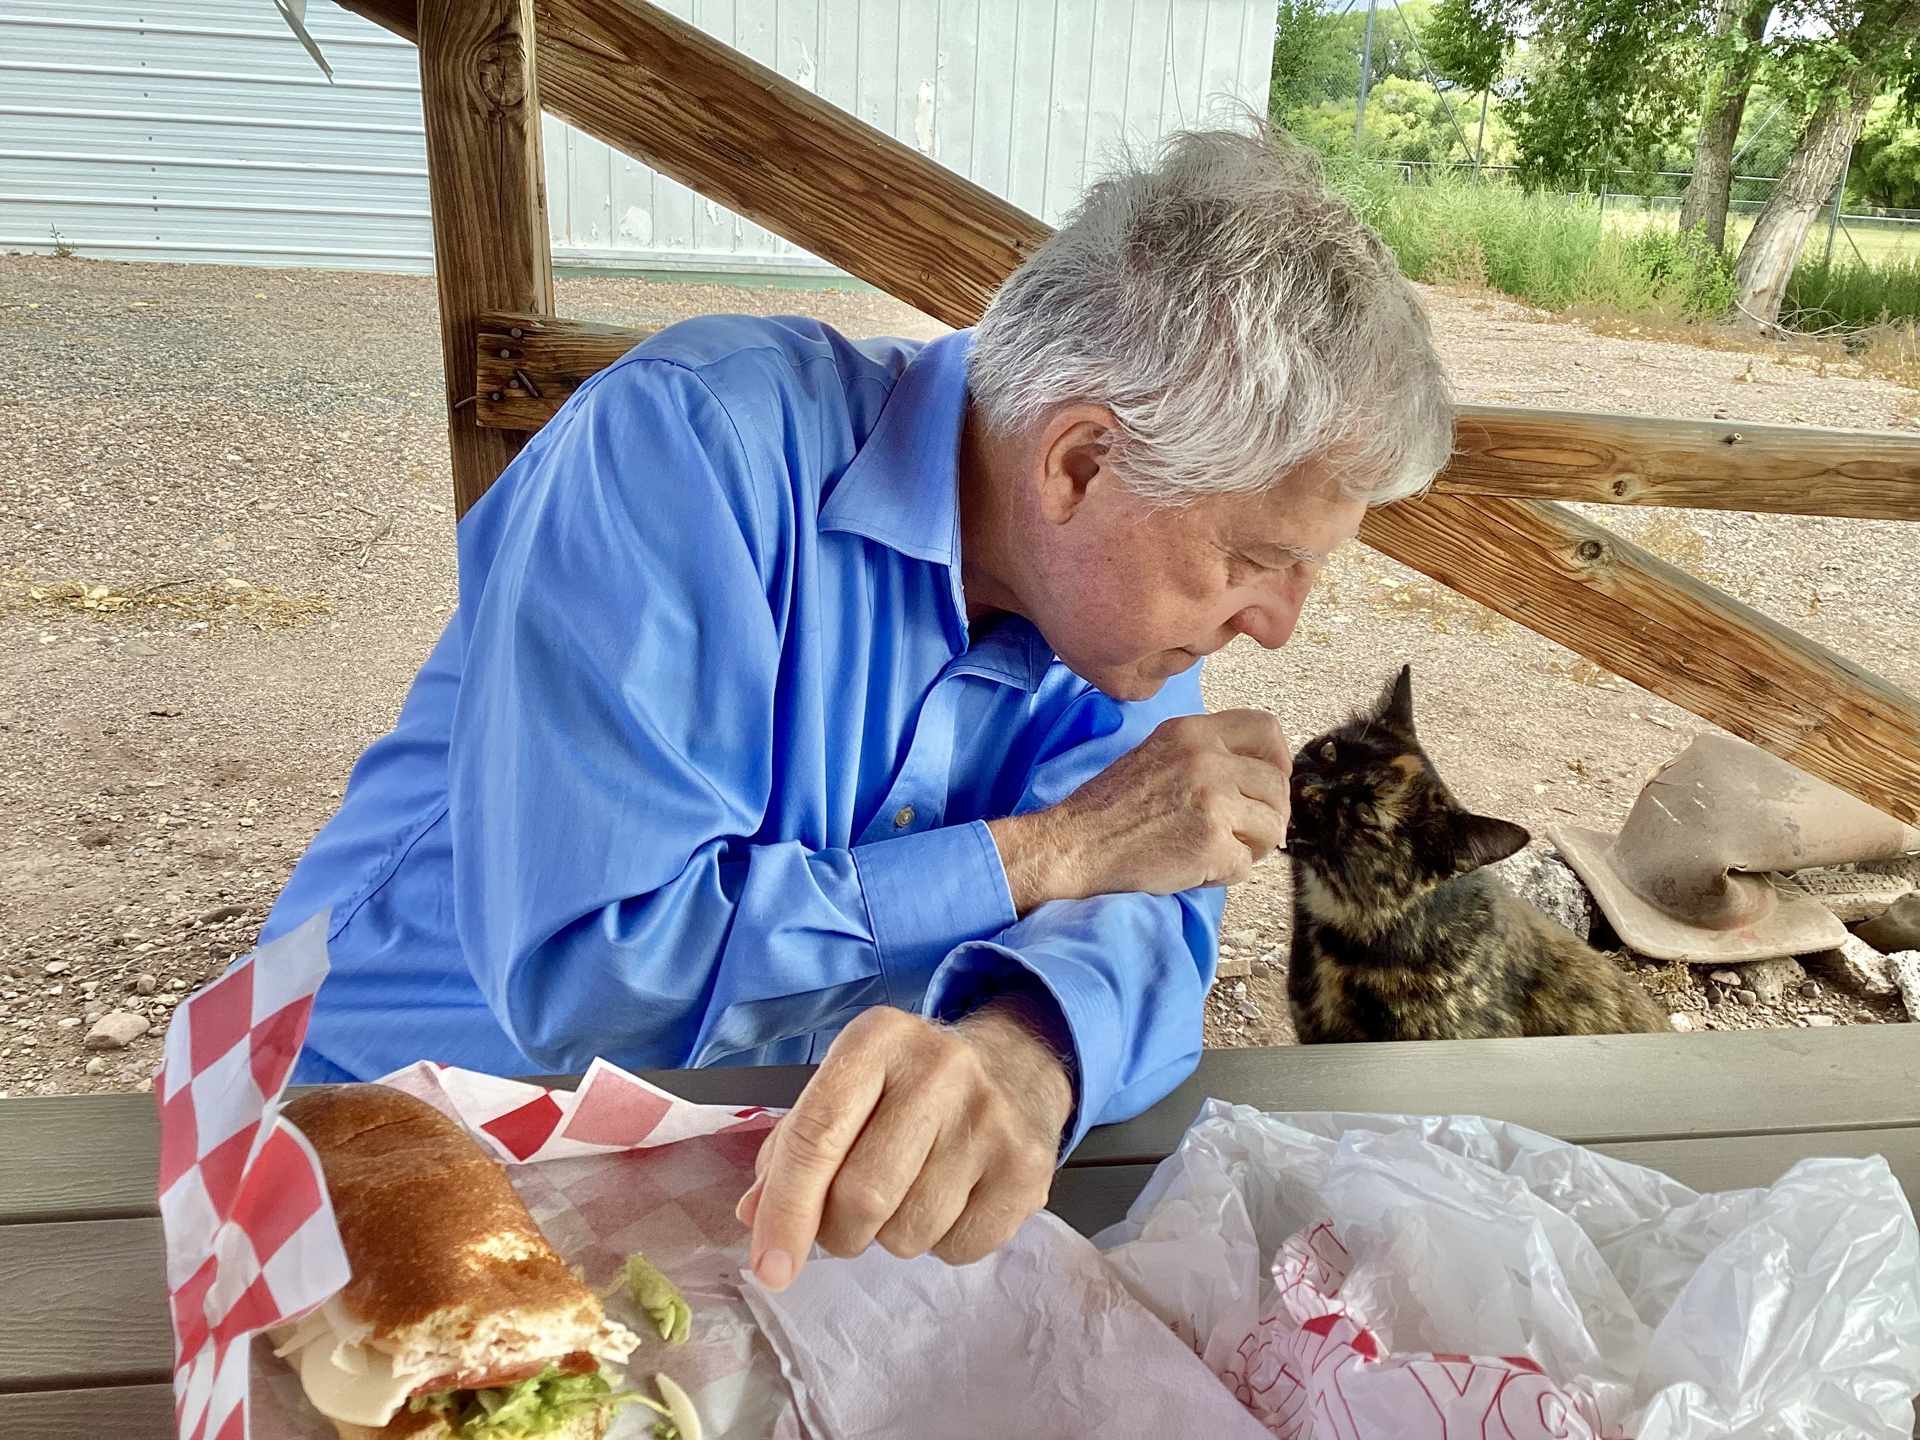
x,y
902,488
902,491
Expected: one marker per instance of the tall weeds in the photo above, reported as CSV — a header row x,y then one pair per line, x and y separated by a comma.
x,y
1558,252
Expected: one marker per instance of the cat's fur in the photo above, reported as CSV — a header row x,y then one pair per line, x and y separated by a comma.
x,y
1398,934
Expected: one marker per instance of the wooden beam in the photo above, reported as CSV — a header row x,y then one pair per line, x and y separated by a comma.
x,y
527,365
1704,464
665,92
1599,595
737,132
488,187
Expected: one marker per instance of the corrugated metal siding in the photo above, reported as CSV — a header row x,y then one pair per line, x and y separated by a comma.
x,y
199,130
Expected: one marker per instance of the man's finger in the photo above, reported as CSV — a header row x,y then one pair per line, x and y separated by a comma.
x,y
1256,733
878,1173
1259,781
808,1147
995,1210
931,1205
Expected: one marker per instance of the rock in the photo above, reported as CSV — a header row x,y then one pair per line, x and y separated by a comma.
x,y
1811,990
1771,979
1237,938
1906,974
117,1031
1746,997
1233,967
1548,883
96,1066
234,912
67,1022
1901,867
1820,1021
1681,1021
1856,967
1249,1010
144,984
1725,977
1896,928
1852,895
57,967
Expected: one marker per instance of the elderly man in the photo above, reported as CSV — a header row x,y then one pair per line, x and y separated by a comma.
x,y
812,700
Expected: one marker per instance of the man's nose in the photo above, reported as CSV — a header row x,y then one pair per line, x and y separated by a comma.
x,y
1270,623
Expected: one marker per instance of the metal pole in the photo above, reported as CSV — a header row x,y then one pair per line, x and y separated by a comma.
x,y
1480,138
1366,76
1838,195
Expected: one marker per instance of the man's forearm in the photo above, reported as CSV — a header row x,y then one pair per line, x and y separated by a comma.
x,y
1037,852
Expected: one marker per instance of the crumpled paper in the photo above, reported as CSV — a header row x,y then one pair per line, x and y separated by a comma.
x,y
1039,1340
1446,1276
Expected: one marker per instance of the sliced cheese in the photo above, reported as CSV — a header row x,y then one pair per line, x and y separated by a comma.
x,y
354,1383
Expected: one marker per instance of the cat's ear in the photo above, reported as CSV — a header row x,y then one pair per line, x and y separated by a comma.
x,y
1482,839
1396,702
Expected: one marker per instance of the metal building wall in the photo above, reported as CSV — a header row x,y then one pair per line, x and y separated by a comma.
x,y
198,130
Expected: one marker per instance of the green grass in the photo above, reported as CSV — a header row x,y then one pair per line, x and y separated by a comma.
x,y
1560,252
1554,250
1851,295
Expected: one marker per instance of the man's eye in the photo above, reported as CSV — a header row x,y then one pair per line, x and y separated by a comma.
x,y
1328,751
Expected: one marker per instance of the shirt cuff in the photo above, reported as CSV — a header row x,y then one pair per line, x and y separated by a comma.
x,y
927,893
976,972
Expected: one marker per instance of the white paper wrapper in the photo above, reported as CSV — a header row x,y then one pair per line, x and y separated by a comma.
x,y
1038,1341
615,1167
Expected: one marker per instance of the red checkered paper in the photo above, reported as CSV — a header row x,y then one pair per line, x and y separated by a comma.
x,y
250,1236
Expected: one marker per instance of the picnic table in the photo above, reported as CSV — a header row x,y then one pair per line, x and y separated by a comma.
x,y
85,1347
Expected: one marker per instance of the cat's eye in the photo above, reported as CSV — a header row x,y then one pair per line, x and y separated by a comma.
x,y
1365,814
1328,751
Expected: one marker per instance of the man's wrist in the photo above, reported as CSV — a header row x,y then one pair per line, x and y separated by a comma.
x,y
1035,852
1012,1032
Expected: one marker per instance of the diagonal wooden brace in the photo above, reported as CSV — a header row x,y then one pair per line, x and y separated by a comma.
x,y
662,91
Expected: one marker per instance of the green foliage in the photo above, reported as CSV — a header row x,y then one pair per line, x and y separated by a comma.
x,y
1468,41
1406,121
1848,294
1886,161
1608,82
1312,61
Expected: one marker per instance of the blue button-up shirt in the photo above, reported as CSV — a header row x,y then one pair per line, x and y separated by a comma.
x,y
701,767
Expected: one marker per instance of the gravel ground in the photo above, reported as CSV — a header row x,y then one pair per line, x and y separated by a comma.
x,y
227,547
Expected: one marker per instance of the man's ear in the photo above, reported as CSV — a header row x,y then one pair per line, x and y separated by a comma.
x,y
1482,839
1396,703
1071,455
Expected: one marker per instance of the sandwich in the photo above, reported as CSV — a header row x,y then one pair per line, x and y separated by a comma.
x,y
460,1322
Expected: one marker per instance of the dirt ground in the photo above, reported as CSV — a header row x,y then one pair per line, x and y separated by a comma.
x,y
227,546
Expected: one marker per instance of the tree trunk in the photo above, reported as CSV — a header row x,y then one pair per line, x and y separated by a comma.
x,y
1708,192
1767,259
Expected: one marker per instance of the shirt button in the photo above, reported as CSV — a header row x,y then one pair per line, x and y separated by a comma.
x,y
903,817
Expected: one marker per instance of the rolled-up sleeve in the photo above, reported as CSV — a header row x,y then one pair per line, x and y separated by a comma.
x,y
1128,972
614,759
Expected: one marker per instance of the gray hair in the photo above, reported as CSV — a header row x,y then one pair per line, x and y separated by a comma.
x,y
1236,316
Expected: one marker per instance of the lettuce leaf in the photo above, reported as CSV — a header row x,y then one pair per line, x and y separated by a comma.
x,y
525,1411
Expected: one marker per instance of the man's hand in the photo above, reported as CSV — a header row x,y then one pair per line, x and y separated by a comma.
x,y
1200,801
918,1135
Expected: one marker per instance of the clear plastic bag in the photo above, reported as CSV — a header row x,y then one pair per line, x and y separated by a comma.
x,y
1382,1277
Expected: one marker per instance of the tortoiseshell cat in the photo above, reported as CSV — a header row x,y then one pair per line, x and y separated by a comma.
x,y
1397,932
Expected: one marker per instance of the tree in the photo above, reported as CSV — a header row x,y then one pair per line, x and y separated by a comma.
x,y
1311,60
1835,59
1886,158
1735,46
1468,42
1608,82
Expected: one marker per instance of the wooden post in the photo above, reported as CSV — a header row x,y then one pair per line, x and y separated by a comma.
x,y
482,104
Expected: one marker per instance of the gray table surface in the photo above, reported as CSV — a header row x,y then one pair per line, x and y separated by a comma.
x,y
84,1341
